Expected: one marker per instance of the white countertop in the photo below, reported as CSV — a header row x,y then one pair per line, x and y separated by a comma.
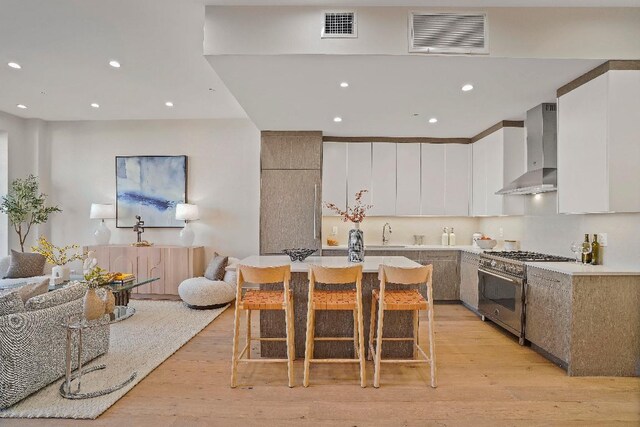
x,y
577,269
374,248
370,264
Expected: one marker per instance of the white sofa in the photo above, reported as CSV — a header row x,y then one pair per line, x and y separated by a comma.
x,y
13,283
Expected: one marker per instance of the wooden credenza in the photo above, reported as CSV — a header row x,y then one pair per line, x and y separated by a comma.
x,y
172,264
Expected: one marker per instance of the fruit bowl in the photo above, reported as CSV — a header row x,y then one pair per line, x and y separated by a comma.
x,y
486,243
298,254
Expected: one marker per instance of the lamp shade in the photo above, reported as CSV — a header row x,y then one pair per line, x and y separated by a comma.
x,y
99,211
187,212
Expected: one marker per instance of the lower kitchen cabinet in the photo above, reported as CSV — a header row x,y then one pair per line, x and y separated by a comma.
x,y
469,279
548,319
446,274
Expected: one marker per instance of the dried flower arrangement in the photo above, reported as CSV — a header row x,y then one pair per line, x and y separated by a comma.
x,y
56,255
355,214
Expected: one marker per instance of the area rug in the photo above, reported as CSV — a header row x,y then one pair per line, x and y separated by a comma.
x,y
141,343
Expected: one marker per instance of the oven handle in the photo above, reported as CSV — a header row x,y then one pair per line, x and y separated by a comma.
x,y
499,276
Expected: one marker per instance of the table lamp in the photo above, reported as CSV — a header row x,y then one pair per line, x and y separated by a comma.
x,y
102,212
187,212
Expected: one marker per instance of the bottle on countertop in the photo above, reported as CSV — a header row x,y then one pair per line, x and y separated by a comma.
x,y
586,258
596,255
445,236
452,238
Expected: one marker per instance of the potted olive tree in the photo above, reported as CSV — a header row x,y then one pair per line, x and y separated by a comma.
x,y
26,206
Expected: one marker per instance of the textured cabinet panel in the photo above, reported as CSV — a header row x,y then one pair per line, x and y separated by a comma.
x,y
358,171
433,179
150,264
548,321
408,179
469,279
446,276
289,205
457,179
334,175
291,150
383,179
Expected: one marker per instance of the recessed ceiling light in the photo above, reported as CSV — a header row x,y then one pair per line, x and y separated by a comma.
x,y
337,119
22,106
95,105
344,84
467,87
433,120
114,63
14,65
169,104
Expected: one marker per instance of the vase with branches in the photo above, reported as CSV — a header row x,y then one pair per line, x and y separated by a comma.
x,y
26,206
356,215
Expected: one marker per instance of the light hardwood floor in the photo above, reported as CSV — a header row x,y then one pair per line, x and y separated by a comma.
x,y
484,379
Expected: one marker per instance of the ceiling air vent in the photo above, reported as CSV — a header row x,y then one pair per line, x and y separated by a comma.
x,y
448,32
339,25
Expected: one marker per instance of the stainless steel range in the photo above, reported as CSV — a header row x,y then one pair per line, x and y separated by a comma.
x,y
502,284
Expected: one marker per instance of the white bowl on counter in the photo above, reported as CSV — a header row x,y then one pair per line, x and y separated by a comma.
x,y
487,244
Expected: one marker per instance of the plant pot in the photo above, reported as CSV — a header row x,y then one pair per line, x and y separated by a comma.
x,y
61,273
92,305
109,301
356,244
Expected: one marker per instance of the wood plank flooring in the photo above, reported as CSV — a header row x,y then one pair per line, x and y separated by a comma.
x,y
484,379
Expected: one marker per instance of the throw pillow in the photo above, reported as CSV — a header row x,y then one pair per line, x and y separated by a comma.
x,y
69,293
33,290
215,269
11,303
25,265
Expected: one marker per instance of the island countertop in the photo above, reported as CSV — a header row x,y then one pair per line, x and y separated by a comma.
x,y
370,264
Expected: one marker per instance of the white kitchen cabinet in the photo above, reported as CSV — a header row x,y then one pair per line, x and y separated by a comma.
x,y
383,179
433,179
479,186
408,179
598,150
358,171
457,179
334,175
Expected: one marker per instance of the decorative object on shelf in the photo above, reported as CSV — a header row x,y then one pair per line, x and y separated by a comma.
x,y
298,254
476,236
486,243
355,214
102,212
510,245
332,241
25,207
139,228
58,257
93,306
89,262
187,212
150,186
142,244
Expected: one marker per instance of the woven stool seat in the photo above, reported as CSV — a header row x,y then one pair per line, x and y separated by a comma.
x,y
334,300
409,299
263,300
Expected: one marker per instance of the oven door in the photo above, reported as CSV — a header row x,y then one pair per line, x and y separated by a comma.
x,y
501,300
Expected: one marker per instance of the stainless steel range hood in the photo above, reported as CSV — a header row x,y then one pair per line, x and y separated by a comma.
x,y
541,125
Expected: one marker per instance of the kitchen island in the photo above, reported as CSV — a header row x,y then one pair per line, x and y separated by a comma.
x,y
331,323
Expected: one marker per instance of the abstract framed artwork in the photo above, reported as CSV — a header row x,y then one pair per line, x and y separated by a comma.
x,y
150,186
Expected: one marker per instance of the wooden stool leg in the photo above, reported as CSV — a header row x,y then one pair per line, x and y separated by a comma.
x,y
355,333
372,328
308,352
432,347
236,338
248,334
378,356
361,353
290,351
416,328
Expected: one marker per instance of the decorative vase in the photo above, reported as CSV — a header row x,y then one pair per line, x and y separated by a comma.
x,y
356,244
61,273
92,305
109,301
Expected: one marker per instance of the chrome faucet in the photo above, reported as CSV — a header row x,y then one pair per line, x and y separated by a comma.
x,y
385,239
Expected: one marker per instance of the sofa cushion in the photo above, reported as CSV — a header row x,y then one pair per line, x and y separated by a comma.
x,y
11,303
25,265
69,293
33,290
215,269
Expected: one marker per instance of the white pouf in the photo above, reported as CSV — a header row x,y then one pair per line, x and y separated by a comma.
x,y
202,293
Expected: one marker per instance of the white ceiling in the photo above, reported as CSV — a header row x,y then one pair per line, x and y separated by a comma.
x,y
432,3
64,47
301,92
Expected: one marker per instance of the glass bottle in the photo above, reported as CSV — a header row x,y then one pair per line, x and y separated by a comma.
x,y
586,257
595,251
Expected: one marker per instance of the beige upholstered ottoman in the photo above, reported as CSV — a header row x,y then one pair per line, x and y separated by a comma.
x,y
202,293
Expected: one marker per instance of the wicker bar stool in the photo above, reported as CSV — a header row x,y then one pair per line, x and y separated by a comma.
x,y
350,300
263,300
405,300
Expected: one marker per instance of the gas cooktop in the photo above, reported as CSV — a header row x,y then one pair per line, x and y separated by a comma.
x,y
525,256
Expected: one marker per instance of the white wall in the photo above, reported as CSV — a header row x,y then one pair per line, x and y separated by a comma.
x,y
223,177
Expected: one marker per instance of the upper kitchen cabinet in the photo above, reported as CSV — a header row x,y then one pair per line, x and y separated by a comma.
x,y
408,179
334,175
457,179
383,179
291,150
498,158
358,171
598,149
433,179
